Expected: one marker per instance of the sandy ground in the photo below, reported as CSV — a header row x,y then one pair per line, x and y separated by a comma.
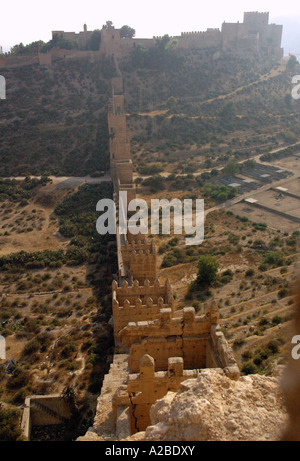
x,y
44,203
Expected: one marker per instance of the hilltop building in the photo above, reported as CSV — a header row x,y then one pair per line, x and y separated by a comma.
x,y
253,34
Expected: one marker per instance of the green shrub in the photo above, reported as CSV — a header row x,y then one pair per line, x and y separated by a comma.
x,y
249,368
276,320
207,269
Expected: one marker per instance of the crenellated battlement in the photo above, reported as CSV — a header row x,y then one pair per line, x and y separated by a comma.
x,y
142,290
200,33
166,325
143,266
197,339
133,248
139,302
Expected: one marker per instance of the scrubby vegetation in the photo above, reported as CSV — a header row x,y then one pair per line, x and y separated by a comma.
x,y
55,311
55,120
20,191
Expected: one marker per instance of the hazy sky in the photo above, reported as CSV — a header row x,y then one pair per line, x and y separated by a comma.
x,y
30,20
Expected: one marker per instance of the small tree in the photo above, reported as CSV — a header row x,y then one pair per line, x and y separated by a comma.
x,y
292,63
108,25
207,270
94,40
127,32
232,167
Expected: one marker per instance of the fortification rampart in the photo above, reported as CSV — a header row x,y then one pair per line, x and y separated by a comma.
x,y
143,266
46,59
147,386
136,246
139,302
212,38
18,61
164,350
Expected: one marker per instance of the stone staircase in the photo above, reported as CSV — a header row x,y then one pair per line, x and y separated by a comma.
x,y
55,417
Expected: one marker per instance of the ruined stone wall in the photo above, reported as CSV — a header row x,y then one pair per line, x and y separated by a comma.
x,y
44,410
160,349
167,336
146,387
189,325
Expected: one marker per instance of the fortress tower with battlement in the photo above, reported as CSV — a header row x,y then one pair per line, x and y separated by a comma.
x,y
254,34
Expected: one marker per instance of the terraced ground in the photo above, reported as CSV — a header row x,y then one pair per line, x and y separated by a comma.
x,y
255,299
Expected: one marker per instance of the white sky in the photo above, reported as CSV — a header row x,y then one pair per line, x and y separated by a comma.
x,y
29,20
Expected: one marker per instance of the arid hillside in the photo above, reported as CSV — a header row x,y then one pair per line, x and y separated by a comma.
x,y
53,120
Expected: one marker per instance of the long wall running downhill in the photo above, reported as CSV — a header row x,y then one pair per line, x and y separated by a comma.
x,y
157,350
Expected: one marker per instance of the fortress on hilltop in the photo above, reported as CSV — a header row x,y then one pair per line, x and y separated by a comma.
x,y
253,35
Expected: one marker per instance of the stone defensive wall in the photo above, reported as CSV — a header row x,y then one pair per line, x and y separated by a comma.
x,y
146,387
18,61
193,338
211,38
139,302
160,349
46,59
256,19
143,265
144,245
